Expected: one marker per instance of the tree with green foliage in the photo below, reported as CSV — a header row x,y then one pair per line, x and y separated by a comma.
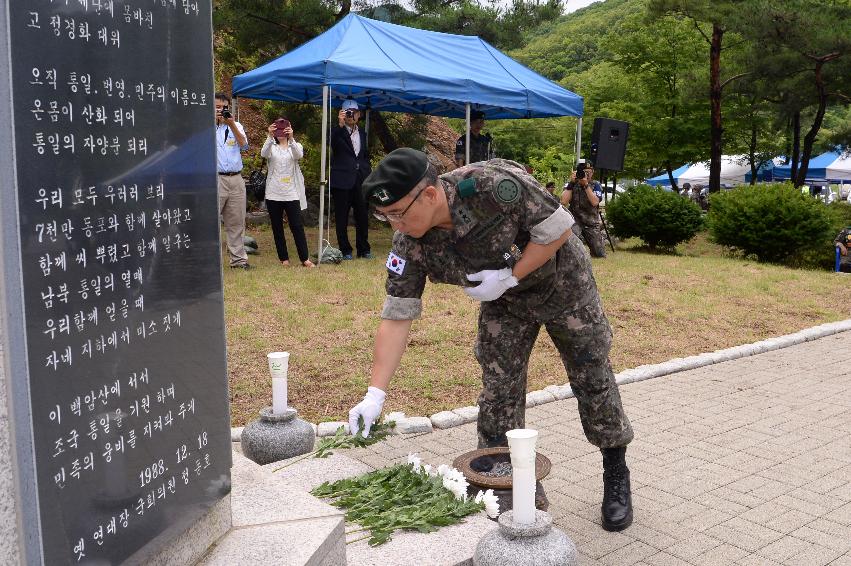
x,y
660,58
711,19
504,27
645,71
806,44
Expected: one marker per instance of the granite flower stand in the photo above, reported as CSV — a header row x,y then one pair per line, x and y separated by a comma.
x,y
538,544
277,437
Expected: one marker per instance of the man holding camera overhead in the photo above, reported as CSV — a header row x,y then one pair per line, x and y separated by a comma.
x,y
582,196
349,167
230,142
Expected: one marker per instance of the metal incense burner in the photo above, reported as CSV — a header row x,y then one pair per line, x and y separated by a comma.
x,y
490,468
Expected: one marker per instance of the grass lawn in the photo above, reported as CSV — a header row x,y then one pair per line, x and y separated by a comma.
x,y
660,307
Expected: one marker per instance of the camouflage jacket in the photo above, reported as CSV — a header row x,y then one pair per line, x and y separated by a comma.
x,y
481,147
497,209
844,238
581,207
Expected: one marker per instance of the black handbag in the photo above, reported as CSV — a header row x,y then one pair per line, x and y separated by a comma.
x,y
256,185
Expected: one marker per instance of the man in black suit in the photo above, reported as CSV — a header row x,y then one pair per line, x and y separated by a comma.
x,y
349,167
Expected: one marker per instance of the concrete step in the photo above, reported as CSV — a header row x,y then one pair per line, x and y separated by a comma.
x,y
276,523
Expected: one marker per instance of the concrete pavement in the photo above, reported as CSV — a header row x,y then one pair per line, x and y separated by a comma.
x,y
744,462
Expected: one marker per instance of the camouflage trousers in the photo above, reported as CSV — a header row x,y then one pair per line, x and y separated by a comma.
x,y
592,236
583,338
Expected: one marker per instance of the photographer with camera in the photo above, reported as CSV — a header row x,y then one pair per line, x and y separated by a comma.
x,y
285,189
349,167
230,142
582,196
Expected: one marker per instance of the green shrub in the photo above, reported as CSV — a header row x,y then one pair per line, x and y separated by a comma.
x,y
775,222
823,257
658,217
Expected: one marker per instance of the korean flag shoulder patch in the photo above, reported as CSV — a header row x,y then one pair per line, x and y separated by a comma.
x,y
395,264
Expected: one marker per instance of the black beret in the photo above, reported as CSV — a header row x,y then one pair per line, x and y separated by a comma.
x,y
396,175
477,115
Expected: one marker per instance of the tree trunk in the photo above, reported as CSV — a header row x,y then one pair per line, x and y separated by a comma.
x,y
796,144
715,104
810,138
752,152
379,126
671,177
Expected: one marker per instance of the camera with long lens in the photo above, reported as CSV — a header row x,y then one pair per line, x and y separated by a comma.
x,y
580,171
226,113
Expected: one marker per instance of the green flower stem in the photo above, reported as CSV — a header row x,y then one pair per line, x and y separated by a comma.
x,y
341,439
295,461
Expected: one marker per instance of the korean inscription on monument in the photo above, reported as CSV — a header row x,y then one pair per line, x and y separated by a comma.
x,y
121,271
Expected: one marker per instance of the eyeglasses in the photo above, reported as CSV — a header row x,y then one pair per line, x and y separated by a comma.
x,y
397,217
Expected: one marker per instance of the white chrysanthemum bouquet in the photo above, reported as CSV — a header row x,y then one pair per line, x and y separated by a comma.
x,y
406,496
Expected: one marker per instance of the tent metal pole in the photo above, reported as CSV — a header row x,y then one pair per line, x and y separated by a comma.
x,y
467,143
326,96
578,139
366,125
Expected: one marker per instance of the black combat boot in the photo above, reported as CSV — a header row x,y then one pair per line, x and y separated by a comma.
x,y
617,496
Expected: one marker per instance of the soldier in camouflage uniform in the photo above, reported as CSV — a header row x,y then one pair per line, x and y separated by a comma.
x,y
582,197
481,145
842,242
490,228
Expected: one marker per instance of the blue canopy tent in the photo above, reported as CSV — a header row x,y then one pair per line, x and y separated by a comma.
x,y
400,69
829,166
663,180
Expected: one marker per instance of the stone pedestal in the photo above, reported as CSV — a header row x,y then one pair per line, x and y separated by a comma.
x,y
538,544
277,437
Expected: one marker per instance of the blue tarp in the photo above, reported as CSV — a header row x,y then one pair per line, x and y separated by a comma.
x,y
400,69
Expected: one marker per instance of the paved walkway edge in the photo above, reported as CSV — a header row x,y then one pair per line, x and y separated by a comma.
x,y
464,415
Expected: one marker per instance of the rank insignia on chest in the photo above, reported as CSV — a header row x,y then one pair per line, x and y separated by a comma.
x,y
507,191
395,264
464,214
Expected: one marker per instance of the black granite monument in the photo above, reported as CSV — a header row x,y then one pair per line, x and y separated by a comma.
x,y
112,287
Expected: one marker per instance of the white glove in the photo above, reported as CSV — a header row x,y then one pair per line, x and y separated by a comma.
x,y
494,282
369,409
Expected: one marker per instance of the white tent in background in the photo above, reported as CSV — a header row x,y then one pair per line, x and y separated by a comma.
x,y
734,168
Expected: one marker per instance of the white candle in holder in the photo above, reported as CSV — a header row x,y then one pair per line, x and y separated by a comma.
x,y
521,444
278,364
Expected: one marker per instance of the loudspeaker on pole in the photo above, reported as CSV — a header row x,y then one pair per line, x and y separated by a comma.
x,y
608,144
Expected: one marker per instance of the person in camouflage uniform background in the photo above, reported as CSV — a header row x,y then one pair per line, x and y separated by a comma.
x,y
582,197
491,228
481,145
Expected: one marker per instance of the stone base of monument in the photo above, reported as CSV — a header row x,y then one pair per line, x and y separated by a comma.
x,y
277,437
518,545
275,523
